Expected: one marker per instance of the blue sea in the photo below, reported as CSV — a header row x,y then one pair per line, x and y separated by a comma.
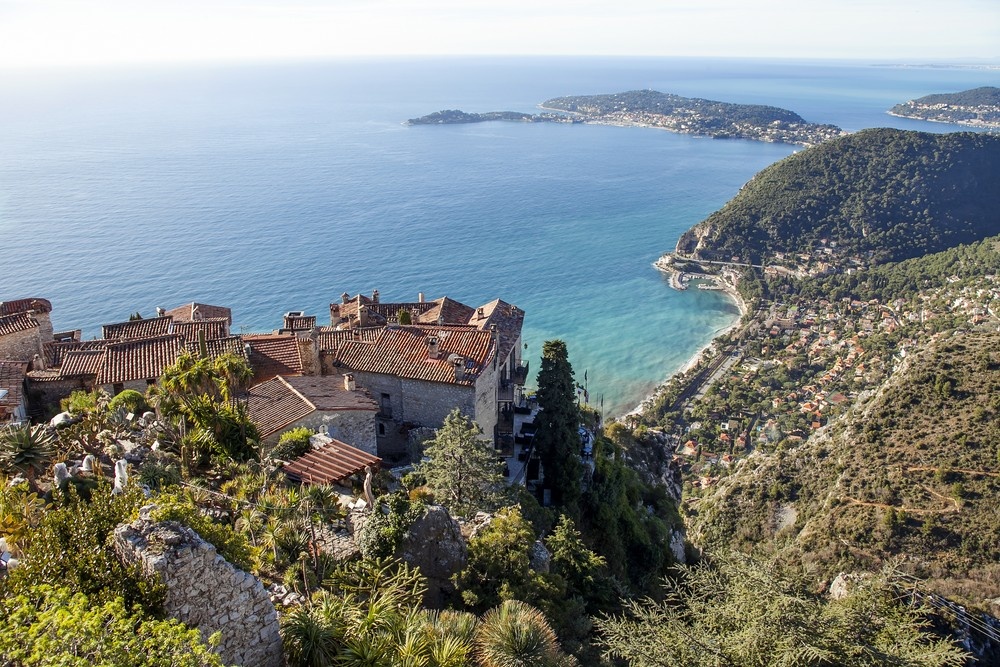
x,y
276,187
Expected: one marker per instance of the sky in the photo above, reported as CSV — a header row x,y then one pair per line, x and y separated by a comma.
x,y
100,32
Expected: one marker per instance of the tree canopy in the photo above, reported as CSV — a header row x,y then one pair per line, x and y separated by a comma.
x,y
557,437
462,470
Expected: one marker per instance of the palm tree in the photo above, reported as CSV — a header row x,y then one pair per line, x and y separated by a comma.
x,y
26,450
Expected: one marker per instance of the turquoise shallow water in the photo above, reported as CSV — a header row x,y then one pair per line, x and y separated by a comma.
x,y
277,187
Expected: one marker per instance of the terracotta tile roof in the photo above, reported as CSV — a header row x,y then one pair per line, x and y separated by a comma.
x,y
273,405
327,393
330,464
380,313
402,352
214,328
191,312
17,322
218,346
154,326
448,310
56,352
24,305
300,322
334,340
508,320
81,363
12,375
273,354
139,359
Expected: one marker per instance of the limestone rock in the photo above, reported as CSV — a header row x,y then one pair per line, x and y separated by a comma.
x,y
540,559
434,543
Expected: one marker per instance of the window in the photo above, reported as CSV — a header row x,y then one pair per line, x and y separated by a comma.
x,y
385,406
381,429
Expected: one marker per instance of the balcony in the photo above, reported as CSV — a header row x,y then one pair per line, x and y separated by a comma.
x,y
520,374
505,392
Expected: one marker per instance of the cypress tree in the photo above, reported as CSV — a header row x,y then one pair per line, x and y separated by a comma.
x,y
557,437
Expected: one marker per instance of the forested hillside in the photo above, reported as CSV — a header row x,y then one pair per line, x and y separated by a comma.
x,y
875,196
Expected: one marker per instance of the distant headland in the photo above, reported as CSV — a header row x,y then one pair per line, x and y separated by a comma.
x,y
649,108
978,107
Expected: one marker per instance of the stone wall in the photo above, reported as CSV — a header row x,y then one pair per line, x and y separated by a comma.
x,y
21,345
204,591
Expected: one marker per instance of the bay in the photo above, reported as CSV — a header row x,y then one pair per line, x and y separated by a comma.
x,y
273,187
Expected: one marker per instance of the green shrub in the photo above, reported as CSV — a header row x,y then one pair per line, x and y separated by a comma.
x,y
292,444
129,399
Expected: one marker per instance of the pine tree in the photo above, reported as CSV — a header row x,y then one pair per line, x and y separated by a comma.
x,y
557,437
462,470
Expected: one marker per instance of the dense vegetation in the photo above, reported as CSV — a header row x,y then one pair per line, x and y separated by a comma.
x,y
874,196
971,97
651,101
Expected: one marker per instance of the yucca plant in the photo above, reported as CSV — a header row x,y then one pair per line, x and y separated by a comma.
x,y
515,634
26,450
309,639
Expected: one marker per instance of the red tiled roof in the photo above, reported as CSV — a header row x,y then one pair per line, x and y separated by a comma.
x,y
334,340
24,305
154,326
77,363
508,320
327,393
191,312
331,463
273,354
448,311
273,405
139,359
300,323
12,379
214,328
56,352
17,322
218,346
402,352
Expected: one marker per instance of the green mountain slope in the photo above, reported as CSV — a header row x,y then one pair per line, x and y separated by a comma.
x,y
877,195
910,471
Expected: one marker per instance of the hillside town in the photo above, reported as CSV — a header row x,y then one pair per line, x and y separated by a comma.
x,y
378,375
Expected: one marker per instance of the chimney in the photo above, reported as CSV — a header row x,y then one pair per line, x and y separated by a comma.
x,y
375,296
420,297
160,312
362,315
433,346
479,313
459,363
345,298
349,383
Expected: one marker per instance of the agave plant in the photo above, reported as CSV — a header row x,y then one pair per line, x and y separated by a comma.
x,y
26,450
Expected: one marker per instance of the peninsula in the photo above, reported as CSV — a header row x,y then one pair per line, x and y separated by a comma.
x,y
649,108
978,107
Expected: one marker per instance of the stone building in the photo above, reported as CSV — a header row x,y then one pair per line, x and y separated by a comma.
x,y
418,374
13,403
25,326
332,403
